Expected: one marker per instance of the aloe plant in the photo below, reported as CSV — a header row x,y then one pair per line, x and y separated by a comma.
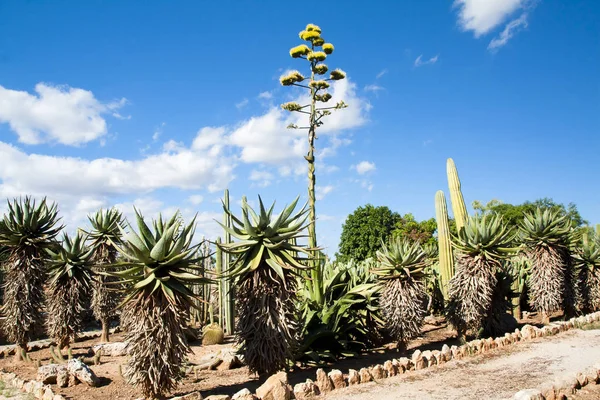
x,y
264,274
26,233
545,235
106,230
159,297
70,288
401,269
481,246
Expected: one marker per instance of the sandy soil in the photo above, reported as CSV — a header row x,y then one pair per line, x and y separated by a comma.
x,y
496,376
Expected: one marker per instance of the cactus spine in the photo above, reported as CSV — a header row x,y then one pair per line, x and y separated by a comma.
x,y
458,202
446,259
228,301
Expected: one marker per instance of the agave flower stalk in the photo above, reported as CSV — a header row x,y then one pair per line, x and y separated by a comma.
x,y
545,236
70,286
404,298
157,263
26,232
106,230
317,86
481,246
264,274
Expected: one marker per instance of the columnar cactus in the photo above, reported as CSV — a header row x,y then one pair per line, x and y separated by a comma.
x,y
458,203
446,259
228,293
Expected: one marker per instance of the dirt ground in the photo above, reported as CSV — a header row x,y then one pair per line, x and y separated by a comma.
x,y
496,376
113,386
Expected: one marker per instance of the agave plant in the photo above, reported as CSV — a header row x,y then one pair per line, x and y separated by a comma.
x,y
106,230
26,232
403,300
264,275
157,263
587,263
545,236
346,320
481,246
70,286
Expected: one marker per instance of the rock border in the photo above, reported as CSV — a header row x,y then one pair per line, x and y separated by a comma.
x,y
36,388
335,379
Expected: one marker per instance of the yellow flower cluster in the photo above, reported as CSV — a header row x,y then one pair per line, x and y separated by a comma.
x,y
313,27
319,85
298,51
328,48
320,69
319,41
325,97
337,74
291,106
316,56
309,35
291,78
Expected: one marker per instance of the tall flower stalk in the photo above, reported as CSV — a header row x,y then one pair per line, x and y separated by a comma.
x,y
314,53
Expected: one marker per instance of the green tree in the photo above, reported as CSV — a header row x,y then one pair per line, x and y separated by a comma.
x,y
514,214
364,231
414,231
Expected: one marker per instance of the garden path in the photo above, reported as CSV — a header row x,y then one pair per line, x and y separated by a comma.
x,y
495,376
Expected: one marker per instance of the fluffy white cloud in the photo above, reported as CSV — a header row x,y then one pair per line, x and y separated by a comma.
x,y
364,166
265,95
419,61
509,31
195,199
57,114
264,178
180,168
242,104
322,191
481,16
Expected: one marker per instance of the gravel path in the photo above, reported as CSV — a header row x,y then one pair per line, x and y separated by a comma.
x,y
498,375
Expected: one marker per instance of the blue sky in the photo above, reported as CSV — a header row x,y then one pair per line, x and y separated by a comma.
x,y
165,104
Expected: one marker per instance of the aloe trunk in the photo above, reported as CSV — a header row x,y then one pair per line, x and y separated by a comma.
x,y
446,259
458,202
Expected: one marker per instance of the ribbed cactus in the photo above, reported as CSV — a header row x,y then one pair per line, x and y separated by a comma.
x,y
446,259
220,281
228,299
458,202
520,271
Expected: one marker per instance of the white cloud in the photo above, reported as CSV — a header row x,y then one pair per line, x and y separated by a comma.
x,y
419,61
177,168
242,104
373,88
195,199
211,139
56,114
322,191
509,31
263,178
266,139
482,16
265,95
158,131
325,217
427,142
364,166
382,73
